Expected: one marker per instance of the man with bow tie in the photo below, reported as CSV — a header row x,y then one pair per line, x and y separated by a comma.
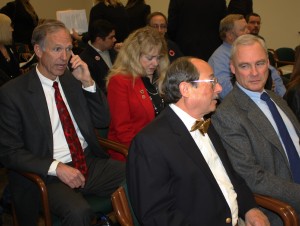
x,y
178,174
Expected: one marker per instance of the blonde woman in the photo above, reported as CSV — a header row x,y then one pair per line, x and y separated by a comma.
x,y
24,20
114,12
131,87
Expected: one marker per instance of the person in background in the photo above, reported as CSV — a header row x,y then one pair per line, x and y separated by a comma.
x,y
292,95
249,127
158,21
24,20
193,25
254,21
178,175
131,85
231,27
243,7
114,12
9,60
99,54
137,11
47,126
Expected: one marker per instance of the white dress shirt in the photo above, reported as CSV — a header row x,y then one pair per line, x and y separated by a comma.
x,y
61,151
255,96
213,160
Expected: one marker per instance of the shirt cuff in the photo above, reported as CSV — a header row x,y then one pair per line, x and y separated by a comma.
x,y
91,89
52,168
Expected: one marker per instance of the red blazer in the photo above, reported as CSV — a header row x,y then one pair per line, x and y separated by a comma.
x,y
130,107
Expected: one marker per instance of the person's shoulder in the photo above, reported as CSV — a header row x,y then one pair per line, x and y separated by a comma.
x,y
121,78
87,52
17,84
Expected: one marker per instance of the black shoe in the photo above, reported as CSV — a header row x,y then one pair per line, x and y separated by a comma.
x,y
103,220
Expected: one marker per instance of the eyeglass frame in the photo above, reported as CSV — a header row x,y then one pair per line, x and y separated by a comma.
x,y
213,81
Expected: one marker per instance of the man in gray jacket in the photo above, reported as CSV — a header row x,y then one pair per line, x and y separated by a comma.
x,y
249,131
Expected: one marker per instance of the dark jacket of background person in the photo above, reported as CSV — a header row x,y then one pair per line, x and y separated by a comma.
x,y
292,95
11,68
137,12
23,22
116,15
243,7
194,25
3,79
97,66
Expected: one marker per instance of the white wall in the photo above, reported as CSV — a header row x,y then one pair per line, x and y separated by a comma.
x,y
280,20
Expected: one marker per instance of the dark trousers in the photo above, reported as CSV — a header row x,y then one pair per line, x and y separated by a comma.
x,y
104,177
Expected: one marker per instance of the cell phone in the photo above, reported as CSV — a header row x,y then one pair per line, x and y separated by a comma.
x,y
70,65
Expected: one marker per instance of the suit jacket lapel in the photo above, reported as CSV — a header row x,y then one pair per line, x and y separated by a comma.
x,y
97,59
39,105
187,144
258,119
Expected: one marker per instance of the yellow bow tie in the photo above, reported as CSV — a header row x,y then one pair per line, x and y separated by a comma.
x,y
201,125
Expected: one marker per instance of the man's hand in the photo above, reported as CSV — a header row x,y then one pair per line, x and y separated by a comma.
x,y
81,71
70,176
255,217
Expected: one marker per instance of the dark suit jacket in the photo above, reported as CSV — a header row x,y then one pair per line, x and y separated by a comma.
x,y
170,182
138,15
11,68
116,15
196,32
173,51
243,7
97,66
26,141
254,147
292,97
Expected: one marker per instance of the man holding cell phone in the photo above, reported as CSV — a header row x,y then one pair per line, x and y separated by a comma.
x,y
47,127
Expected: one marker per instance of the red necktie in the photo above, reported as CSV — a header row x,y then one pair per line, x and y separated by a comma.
x,y
76,151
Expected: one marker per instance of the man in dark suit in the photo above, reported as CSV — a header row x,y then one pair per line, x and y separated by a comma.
x,y
249,131
33,136
194,25
99,54
179,176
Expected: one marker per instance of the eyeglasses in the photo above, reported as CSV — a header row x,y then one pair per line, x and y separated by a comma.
x,y
161,26
213,81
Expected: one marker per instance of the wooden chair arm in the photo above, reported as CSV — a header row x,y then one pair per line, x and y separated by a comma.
x,y
284,210
121,207
109,144
44,194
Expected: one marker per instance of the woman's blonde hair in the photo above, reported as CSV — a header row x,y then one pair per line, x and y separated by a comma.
x,y
141,41
5,30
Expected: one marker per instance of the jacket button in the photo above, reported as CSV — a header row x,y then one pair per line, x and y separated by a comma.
x,y
228,220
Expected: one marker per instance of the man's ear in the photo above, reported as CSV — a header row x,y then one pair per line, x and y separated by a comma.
x,y
232,68
38,50
184,88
